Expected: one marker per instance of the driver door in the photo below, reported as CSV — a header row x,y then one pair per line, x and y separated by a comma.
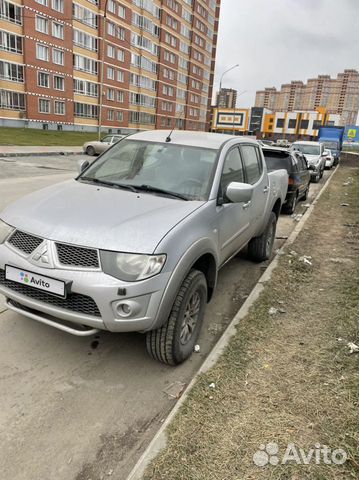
x,y
105,143
233,217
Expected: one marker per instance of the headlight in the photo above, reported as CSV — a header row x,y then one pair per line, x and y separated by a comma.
x,y
131,267
5,231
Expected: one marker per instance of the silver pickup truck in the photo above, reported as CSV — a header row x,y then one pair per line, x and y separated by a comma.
x,y
135,242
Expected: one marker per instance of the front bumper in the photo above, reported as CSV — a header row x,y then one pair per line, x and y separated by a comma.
x,y
94,299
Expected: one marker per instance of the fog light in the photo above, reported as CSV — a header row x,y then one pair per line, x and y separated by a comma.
x,y
124,309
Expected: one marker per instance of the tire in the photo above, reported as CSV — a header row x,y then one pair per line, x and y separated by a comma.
x,y
306,193
260,248
168,344
316,178
90,151
289,208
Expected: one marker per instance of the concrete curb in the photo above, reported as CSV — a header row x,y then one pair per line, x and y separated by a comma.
x,y
38,154
159,441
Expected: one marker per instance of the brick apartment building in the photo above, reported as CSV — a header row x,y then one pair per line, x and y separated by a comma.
x,y
337,95
121,65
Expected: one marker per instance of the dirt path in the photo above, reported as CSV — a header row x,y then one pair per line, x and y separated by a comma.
x,y
287,377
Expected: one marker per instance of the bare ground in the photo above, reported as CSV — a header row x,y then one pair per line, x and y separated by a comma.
x,y
286,377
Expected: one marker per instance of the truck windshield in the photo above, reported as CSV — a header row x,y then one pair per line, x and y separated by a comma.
x,y
178,169
331,145
307,149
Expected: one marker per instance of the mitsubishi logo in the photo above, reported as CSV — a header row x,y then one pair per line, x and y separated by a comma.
x,y
41,256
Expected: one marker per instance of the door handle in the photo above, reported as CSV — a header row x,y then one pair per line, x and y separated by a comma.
x,y
246,205
266,189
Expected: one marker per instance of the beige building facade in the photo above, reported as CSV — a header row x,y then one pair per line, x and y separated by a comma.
x,y
338,96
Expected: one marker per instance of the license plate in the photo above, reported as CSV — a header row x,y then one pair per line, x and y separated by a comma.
x,y
41,282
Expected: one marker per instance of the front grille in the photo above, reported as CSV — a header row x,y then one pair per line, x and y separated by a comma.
x,y
24,241
75,301
74,256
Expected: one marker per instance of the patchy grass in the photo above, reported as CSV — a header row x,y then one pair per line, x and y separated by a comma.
x,y
46,138
284,378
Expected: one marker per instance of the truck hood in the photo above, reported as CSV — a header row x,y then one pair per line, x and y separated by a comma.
x,y
98,217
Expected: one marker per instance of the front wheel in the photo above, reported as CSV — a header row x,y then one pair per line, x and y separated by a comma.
x,y
90,151
260,248
174,342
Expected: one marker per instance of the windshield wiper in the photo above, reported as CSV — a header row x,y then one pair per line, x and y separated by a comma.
x,y
110,184
150,188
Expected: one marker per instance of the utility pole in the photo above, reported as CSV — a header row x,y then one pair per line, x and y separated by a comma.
x,y
102,69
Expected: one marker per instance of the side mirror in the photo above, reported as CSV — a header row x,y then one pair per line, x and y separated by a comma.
x,y
238,192
82,165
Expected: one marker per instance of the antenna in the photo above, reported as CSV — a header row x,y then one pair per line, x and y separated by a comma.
x,y
168,138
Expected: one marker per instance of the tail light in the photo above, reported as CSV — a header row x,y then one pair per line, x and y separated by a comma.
x,y
290,181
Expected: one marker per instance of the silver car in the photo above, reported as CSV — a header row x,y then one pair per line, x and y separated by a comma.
x,y
98,146
135,242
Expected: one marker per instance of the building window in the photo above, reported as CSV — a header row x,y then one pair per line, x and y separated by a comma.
x,y
120,96
111,51
120,116
59,83
10,12
43,79
120,55
110,94
292,123
44,105
142,117
304,124
84,15
110,115
110,73
42,2
120,76
42,52
58,56
12,100
85,87
41,24
11,71
10,42
85,64
121,11
85,40
85,110
58,5
280,123
58,30
59,108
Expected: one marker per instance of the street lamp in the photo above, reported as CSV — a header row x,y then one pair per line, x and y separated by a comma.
x,y
223,74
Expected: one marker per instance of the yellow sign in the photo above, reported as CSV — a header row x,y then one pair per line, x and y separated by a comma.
x,y
352,133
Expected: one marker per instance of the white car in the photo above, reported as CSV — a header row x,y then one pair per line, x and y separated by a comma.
x,y
329,159
99,146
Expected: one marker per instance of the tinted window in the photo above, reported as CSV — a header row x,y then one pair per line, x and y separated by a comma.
x,y
277,161
232,169
307,149
280,123
106,139
252,163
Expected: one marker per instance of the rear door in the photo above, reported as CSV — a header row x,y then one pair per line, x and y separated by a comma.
x,y
234,221
256,175
304,173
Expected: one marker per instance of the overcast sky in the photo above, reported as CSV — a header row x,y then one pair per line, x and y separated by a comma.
x,y
276,41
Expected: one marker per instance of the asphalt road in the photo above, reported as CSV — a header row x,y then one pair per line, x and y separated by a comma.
x,y
85,408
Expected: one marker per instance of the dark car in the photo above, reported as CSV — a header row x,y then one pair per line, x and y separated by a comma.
x,y
299,176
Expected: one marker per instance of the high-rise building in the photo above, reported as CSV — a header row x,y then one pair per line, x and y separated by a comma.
x,y
121,65
338,95
226,98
